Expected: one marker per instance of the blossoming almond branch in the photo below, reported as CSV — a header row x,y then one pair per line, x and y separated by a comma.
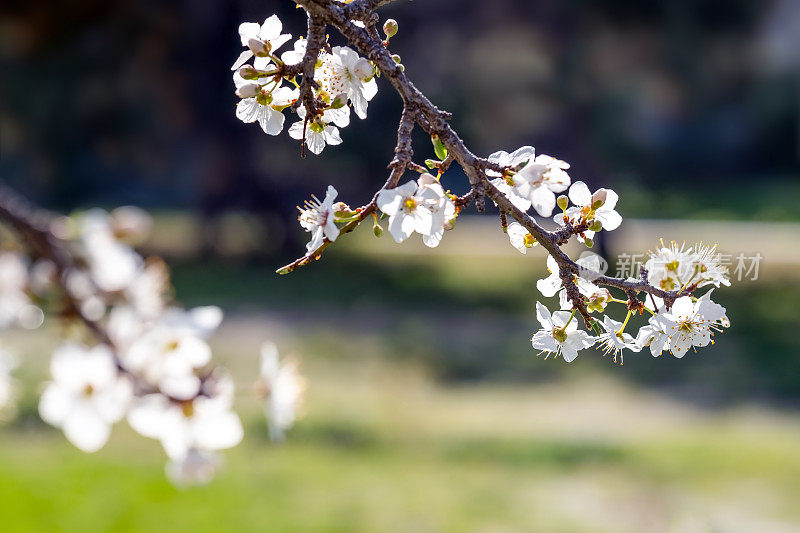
x,y
129,351
335,79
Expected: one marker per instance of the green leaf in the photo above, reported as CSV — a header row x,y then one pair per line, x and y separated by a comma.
x,y
439,148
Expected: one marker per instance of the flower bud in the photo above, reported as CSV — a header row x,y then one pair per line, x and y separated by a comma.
x,y
596,225
363,69
588,242
259,47
390,28
248,72
599,198
396,58
339,102
562,202
377,230
248,91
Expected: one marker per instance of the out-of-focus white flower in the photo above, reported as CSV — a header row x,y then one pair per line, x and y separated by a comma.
x,y
167,353
613,341
692,323
8,393
131,223
15,306
284,387
146,292
269,32
559,334
205,423
112,264
539,180
196,468
167,358
318,219
87,395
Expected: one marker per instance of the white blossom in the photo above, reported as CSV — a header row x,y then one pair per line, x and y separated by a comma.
x,y
506,183
520,238
671,267
285,388
590,267
86,396
265,107
654,335
295,56
514,160
269,32
539,180
708,266
693,323
409,209
614,340
580,195
442,207
587,210
344,72
318,219
319,132
559,334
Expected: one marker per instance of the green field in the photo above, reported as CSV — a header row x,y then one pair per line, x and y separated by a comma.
x,y
384,448
428,411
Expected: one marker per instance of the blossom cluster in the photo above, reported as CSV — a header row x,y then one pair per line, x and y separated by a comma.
x,y
689,322
343,80
149,361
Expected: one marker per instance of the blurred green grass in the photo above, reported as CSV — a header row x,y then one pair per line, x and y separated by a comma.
x,y
428,411
384,448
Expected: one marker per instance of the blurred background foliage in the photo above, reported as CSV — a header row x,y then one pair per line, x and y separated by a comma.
x,y
689,108
422,374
